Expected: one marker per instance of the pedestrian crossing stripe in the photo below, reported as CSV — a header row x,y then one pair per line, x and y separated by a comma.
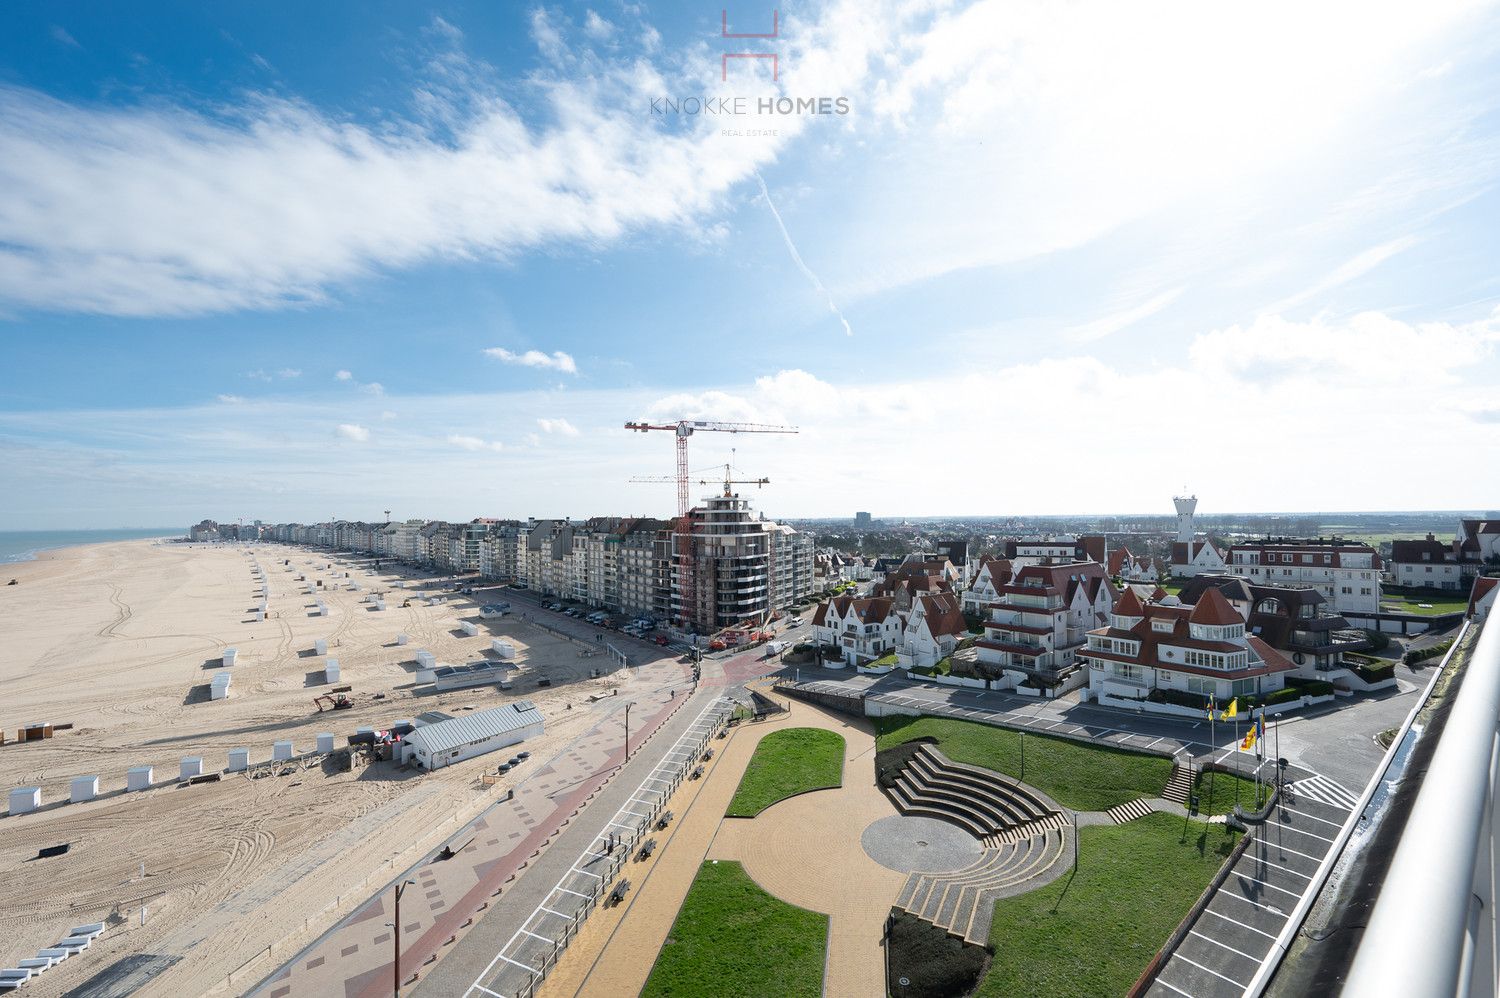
x,y
1325,791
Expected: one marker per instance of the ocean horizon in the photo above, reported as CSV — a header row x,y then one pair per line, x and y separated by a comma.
x,y
25,545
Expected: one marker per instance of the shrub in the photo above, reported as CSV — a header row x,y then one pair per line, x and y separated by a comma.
x,y
1421,655
933,963
1311,687
1379,641
1375,673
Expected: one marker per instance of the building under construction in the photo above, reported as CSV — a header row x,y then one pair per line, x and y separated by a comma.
x,y
730,567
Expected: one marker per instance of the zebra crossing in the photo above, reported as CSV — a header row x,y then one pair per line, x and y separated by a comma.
x,y
1324,790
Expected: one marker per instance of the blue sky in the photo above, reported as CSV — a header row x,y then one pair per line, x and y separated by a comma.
x,y
266,261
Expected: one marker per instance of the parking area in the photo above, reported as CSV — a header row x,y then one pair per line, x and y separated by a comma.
x,y
1232,935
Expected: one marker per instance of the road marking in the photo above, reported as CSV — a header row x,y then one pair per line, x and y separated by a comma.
x,y
1287,869
1281,848
1263,907
545,939
1211,939
1167,984
1200,966
1303,831
1236,921
481,987
1263,883
557,913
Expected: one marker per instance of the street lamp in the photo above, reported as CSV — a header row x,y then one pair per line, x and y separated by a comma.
x,y
627,729
396,932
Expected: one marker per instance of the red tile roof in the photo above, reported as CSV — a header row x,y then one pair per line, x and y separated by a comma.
x,y
1129,605
1214,609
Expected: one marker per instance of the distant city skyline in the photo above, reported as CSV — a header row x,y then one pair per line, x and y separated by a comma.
x,y
1049,260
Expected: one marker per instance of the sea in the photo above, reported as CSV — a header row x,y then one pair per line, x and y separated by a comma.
x,y
23,545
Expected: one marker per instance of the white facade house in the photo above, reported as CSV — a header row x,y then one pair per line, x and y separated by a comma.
x,y
1190,558
445,743
985,589
1041,620
861,629
1347,574
934,627
1482,598
1201,649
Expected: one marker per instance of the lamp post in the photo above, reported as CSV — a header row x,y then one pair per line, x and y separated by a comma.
x,y
627,730
396,934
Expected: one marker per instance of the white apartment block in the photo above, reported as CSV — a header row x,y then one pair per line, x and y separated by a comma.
x,y
1347,574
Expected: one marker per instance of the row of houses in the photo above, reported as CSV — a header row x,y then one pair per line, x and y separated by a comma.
x,y
720,566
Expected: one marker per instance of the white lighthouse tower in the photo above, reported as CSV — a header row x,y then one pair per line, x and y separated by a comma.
x,y
1186,505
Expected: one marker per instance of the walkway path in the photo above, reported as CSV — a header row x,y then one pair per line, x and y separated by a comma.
x,y
805,850
354,958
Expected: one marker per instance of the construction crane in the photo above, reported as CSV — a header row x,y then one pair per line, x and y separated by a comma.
x,y
728,481
685,428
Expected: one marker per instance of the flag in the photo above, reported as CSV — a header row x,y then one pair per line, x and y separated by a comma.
x,y
1260,732
1210,708
1232,711
1249,740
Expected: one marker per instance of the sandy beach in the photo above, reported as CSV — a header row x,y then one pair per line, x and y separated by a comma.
x,y
120,641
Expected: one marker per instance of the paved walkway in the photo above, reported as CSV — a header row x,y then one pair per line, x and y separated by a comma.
x,y
354,958
805,850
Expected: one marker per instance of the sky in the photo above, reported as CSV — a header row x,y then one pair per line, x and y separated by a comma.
x,y
291,262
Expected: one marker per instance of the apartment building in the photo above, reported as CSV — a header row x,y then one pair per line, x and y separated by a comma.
x,y
730,567
861,629
1346,573
1041,620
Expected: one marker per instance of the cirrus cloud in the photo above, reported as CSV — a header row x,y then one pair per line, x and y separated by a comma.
x,y
353,431
555,361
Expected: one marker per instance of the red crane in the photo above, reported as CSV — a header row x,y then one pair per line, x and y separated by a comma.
x,y
685,428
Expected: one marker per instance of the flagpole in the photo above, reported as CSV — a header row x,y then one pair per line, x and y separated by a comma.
x,y
1213,741
1237,748
1277,770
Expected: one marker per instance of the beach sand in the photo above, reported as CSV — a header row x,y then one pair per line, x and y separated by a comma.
x,y
120,640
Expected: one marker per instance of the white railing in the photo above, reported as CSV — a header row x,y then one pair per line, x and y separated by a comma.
x,y
1432,932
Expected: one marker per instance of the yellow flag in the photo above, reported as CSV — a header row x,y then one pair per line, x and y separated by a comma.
x,y
1233,711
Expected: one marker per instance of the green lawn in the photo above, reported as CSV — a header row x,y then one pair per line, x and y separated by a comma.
x,y
1082,777
1225,787
1093,931
1447,603
733,940
786,763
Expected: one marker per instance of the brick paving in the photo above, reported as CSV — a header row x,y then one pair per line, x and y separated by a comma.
x,y
805,850
354,958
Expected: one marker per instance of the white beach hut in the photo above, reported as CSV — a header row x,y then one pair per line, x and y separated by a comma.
x,y
469,628
24,799
218,688
504,649
138,778
281,751
83,788
239,760
230,654
325,742
320,646
331,670
191,766
401,639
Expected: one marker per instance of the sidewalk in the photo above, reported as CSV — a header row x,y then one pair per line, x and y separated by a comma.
x,y
354,958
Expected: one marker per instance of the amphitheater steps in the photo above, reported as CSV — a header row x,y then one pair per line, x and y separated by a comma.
x,y
960,902
1037,826
1129,811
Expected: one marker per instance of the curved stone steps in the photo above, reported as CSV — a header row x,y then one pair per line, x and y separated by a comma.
x,y
996,798
960,902
1010,790
1040,826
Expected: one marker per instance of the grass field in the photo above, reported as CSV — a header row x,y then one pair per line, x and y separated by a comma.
x,y
733,940
787,763
1082,777
1093,931
1447,603
1225,787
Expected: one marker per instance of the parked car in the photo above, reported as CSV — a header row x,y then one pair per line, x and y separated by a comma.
x,y
717,644
795,622
661,639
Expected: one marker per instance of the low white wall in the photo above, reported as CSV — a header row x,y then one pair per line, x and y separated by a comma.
x,y
964,681
876,708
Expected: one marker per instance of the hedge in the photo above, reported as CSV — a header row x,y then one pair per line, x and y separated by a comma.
x,y
1375,673
1421,655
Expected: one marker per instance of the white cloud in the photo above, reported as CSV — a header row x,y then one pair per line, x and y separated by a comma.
x,y
559,426
1113,323
387,414
597,27
61,34
353,431
373,388
258,375
231,399
1350,270
343,375
474,443
556,361
289,372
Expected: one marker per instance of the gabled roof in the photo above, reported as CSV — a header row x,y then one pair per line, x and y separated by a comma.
x,y
1213,609
943,614
1484,588
1129,605
1116,563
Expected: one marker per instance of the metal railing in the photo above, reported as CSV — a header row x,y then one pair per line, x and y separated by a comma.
x,y
1433,930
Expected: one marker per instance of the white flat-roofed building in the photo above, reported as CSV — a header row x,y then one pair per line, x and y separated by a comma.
x,y
447,742
1346,573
